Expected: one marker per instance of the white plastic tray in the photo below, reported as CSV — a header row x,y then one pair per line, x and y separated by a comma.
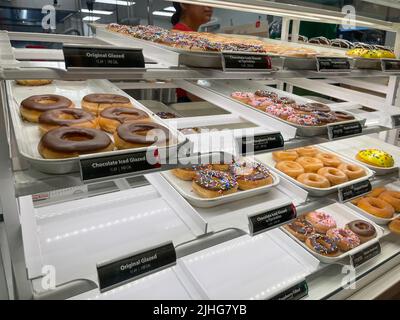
x,y
350,147
185,189
28,134
342,216
267,159
377,220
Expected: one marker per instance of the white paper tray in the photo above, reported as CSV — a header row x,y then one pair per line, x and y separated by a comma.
x,y
342,215
350,147
391,186
185,189
28,136
268,160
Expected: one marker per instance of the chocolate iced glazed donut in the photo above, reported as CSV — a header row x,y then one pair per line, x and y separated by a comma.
x,y
31,108
363,229
342,116
67,142
97,102
140,134
69,117
111,118
316,106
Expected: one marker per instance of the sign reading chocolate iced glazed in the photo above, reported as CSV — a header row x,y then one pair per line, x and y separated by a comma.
x,y
237,61
366,254
117,272
102,57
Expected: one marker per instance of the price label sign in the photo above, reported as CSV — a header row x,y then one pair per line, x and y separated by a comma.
x,y
118,165
390,65
333,64
271,219
395,120
260,143
296,292
336,131
117,272
366,254
102,57
354,190
240,61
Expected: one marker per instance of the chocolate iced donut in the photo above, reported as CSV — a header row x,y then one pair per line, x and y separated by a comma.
x,y
342,116
31,108
303,108
97,102
68,117
316,106
111,118
363,229
67,142
136,134
324,117
266,94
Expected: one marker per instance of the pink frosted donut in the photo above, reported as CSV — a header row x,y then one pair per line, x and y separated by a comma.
x,y
281,112
346,238
242,96
304,119
260,103
321,221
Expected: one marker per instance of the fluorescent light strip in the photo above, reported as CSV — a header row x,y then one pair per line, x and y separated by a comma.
x,y
91,18
162,13
97,12
171,9
117,2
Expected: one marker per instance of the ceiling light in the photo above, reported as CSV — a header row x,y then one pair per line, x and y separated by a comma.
x,y
90,18
117,2
97,11
163,13
172,9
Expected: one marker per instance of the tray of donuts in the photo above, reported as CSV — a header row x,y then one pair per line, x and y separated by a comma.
x,y
56,123
318,171
210,185
333,232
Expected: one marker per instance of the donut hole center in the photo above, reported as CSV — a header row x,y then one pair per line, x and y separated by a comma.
x,y
77,137
48,101
67,116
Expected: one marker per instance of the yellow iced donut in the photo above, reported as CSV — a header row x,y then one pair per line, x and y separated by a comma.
x,y
375,157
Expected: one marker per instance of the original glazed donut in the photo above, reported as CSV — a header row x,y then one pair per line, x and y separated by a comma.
x,y
334,175
329,160
111,118
288,155
69,117
391,197
211,184
394,225
189,174
250,175
31,108
376,192
321,221
97,102
377,207
68,142
140,134
363,229
323,245
310,164
309,151
346,238
352,171
291,168
314,180
35,82
300,228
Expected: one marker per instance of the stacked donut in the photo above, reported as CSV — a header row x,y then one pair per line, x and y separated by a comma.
x,y
69,132
321,234
309,114
315,168
380,202
215,180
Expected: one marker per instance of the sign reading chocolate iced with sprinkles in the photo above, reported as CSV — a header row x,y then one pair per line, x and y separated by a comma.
x,y
237,61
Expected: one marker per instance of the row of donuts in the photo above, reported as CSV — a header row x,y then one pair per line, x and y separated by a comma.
x,y
315,168
215,180
309,114
321,234
69,131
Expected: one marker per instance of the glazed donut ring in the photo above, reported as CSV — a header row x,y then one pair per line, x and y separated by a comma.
x,y
310,164
328,159
288,155
377,207
391,197
334,175
346,238
352,171
376,192
32,107
97,102
35,82
307,151
291,168
394,226
314,180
